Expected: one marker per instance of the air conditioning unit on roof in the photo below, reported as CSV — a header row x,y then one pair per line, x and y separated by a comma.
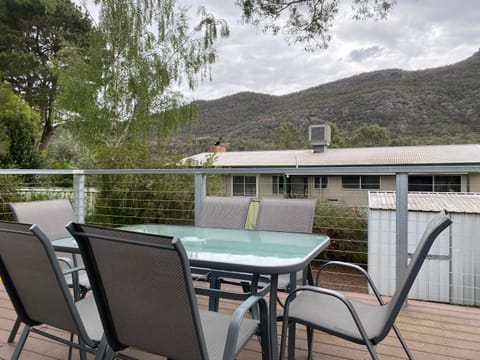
x,y
319,135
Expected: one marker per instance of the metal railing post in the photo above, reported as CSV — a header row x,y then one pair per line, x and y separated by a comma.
x,y
200,193
401,227
79,196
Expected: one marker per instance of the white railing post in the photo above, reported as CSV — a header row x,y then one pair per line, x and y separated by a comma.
x,y
79,195
200,193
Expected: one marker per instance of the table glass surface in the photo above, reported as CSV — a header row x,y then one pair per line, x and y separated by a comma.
x,y
275,252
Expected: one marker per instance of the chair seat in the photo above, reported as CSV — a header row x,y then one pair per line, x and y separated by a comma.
x,y
338,320
215,327
91,318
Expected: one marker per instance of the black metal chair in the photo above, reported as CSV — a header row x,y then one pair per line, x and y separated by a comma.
x,y
52,216
142,285
362,323
38,290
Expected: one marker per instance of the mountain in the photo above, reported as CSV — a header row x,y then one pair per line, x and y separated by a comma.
x,y
434,106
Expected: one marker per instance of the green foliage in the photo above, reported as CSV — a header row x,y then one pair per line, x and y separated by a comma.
x,y
19,126
128,199
122,89
32,32
307,21
8,193
371,135
347,229
288,137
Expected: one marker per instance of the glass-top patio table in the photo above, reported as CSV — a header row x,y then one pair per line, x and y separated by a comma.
x,y
250,251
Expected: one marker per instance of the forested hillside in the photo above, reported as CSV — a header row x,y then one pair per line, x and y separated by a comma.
x,y
434,106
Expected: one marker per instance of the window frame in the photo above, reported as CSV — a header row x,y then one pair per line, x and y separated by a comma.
x,y
320,182
278,184
361,182
245,185
454,182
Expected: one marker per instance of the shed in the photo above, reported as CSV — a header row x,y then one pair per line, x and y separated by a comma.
x,y
451,272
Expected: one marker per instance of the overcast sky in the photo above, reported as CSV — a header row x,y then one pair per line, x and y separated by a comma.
x,y
418,34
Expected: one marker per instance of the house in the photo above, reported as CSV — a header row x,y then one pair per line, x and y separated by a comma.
x,y
343,187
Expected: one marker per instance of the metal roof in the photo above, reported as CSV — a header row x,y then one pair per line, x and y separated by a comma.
x,y
369,156
453,202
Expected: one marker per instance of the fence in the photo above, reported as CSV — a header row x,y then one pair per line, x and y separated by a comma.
x,y
118,197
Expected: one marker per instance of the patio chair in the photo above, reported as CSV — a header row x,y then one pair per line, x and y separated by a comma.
x,y
37,288
291,215
221,212
359,322
224,212
142,285
51,216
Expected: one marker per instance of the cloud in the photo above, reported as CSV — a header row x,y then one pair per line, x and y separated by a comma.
x,y
358,55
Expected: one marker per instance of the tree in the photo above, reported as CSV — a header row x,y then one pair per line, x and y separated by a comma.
x,y
32,32
371,135
288,136
306,21
19,126
122,89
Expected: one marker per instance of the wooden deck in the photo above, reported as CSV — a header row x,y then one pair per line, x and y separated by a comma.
x,y
433,331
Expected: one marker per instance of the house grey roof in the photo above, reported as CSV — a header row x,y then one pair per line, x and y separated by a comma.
x,y
377,156
453,202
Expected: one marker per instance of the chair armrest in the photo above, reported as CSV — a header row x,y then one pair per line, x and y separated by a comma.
x,y
355,267
73,270
236,320
78,293
68,261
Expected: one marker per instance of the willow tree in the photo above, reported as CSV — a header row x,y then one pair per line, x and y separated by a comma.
x,y
122,90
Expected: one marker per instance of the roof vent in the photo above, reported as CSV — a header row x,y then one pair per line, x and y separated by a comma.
x,y
319,137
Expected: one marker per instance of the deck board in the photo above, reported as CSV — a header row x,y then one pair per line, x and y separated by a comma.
x,y
432,330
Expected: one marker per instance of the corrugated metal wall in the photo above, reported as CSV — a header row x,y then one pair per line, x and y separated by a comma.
x,y
451,272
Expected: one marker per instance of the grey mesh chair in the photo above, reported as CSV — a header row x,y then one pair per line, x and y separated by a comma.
x,y
291,215
37,288
153,308
51,216
362,323
223,212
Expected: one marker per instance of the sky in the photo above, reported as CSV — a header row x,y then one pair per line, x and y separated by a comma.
x,y
418,34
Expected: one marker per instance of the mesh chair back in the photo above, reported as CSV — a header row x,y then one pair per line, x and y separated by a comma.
x,y
224,212
142,287
34,280
50,215
292,215
439,223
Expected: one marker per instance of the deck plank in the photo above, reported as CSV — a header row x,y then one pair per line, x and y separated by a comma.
x,y
432,330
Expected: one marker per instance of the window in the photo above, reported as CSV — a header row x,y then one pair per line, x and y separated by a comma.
x,y
430,183
277,184
297,186
244,186
321,182
369,182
